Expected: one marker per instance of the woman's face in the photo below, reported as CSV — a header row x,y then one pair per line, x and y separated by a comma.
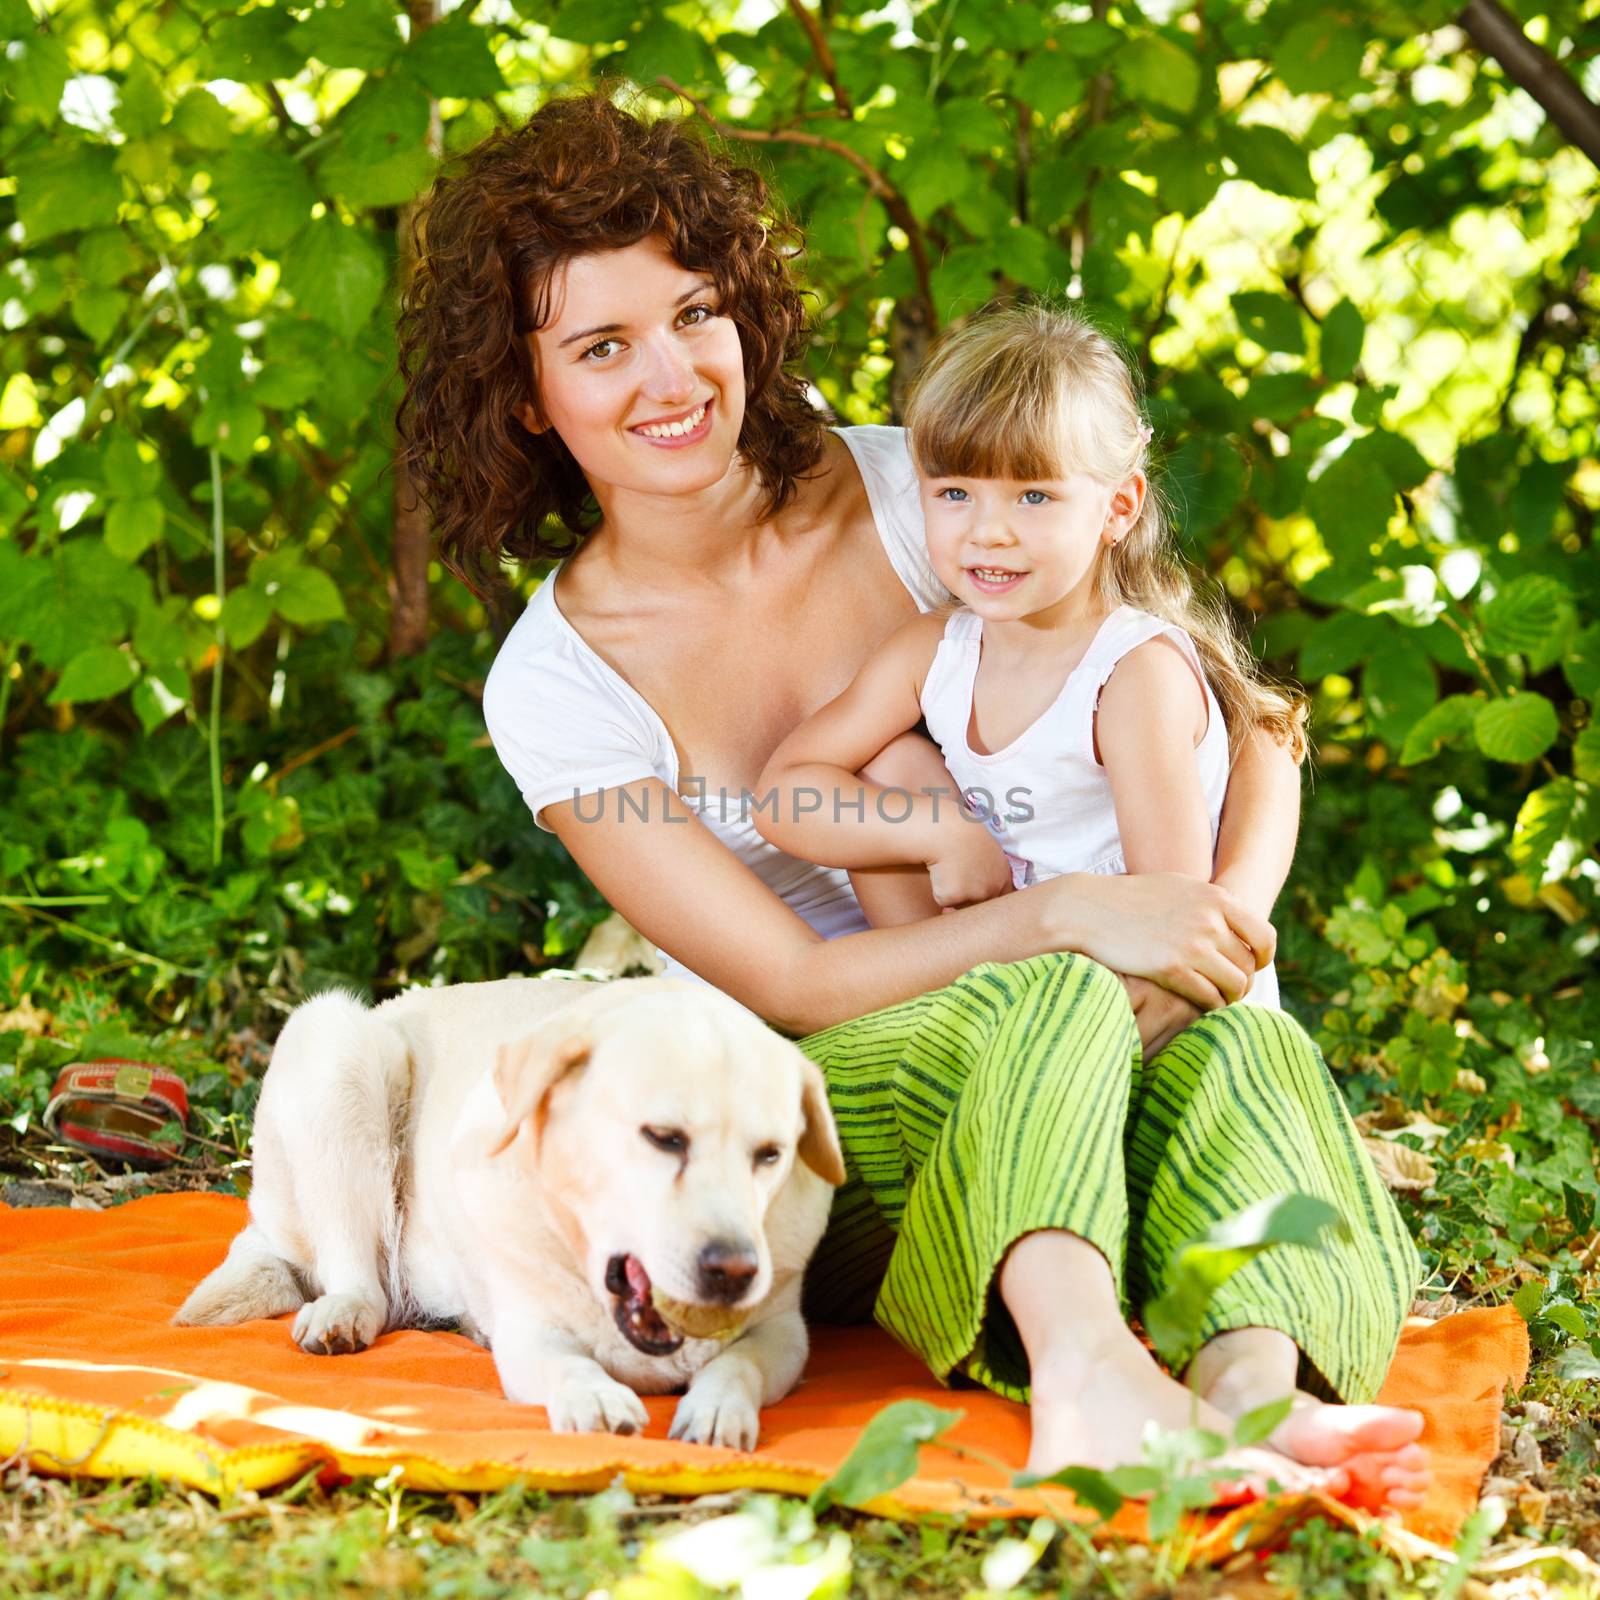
x,y
639,371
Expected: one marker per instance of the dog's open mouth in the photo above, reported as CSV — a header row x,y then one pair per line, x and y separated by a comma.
x,y
637,1318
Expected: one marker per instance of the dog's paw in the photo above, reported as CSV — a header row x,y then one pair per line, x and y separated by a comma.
x,y
713,1414
600,1405
337,1324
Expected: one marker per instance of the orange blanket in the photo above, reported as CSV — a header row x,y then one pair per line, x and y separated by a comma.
x,y
94,1380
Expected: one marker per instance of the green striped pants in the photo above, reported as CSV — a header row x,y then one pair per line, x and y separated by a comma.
x,y
1017,1099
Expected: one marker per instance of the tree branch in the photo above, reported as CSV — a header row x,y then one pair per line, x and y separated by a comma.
x,y
820,49
1499,35
894,202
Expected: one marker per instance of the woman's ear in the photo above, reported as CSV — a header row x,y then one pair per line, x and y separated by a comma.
x,y
1127,501
529,418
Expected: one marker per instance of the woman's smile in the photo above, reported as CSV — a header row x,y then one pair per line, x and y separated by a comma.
x,y
680,429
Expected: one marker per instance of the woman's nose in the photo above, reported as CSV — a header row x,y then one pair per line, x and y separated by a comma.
x,y
669,375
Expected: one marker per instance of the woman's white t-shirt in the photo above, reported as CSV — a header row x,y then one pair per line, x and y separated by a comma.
x,y
566,725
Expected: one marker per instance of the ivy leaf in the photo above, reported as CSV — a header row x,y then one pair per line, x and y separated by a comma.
x,y
335,274
1268,158
263,198
886,1453
94,674
1516,728
1198,1270
1531,616
1154,71
1448,723
132,526
245,614
453,58
1343,333
305,595
1555,823
68,187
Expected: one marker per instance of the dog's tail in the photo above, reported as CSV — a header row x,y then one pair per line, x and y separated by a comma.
x,y
253,1281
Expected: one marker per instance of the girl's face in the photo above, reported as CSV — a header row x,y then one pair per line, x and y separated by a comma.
x,y
1009,548
639,372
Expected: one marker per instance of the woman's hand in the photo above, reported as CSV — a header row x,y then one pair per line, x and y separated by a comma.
x,y
1193,938
1160,1014
970,868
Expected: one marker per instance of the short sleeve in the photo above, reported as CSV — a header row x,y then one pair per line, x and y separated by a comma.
x,y
563,724
883,457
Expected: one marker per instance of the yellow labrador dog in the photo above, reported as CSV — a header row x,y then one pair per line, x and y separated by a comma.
x,y
615,1187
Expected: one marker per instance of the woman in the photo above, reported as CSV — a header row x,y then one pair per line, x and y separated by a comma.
x,y
598,328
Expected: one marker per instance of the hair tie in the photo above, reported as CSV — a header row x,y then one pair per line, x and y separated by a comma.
x,y
1146,433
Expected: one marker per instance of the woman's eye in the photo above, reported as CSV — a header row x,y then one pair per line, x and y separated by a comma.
x,y
600,350
698,314
1035,497
768,1155
673,1140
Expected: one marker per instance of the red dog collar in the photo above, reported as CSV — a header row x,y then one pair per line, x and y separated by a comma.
x,y
130,1110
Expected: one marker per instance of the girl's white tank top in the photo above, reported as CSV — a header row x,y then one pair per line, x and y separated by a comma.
x,y
1045,796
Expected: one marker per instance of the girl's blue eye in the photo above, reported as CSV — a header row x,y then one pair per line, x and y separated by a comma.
x,y
1035,497
955,496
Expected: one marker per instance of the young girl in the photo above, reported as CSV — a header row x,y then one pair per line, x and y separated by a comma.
x,y
1082,696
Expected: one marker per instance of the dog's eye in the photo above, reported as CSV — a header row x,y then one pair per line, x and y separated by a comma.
x,y
768,1155
673,1140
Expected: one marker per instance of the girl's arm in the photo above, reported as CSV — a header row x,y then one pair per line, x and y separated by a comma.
x,y
682,888
1152,715
1260,820
823,810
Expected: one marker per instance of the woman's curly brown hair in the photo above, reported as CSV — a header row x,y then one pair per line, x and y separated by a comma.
x,y
579,176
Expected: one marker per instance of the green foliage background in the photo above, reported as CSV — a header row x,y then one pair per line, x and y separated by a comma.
x,y
1355,265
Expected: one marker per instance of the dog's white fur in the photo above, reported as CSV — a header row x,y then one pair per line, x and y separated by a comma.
x,y
475,1154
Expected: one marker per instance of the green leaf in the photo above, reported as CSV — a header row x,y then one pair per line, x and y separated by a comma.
x,y
1271,320
245,614
595,21
201,120
255,46
1339,643
94,674
263,197
1089,1488
106,256
232,424
1528,1299
1344,331
132,526
1268,158
1581,663
1176,1319
359,33
305,595
1048,85
933,175
1556,822
335,274
1399,686
1586,754
37,69
1321,56
1567,1318
1448,723
453,58
98,311
141,104
886,1453
1155,71
126,472
17,20
1255,1426
1576,1364
1516,728
67,187
153,702
1531,616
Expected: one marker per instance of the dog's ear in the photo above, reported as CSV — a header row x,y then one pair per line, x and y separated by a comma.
x,y
819,1141
525,1072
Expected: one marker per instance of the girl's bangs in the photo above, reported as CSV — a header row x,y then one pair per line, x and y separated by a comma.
x,y
979,425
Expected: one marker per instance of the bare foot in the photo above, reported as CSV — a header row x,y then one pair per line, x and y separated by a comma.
x,y
1091,1409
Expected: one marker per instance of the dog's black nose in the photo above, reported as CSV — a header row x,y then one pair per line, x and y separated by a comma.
x,y
726,1271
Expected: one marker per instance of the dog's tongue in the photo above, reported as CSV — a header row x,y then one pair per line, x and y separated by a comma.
x,y
638,1278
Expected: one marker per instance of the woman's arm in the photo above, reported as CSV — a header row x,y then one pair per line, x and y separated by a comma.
x,y
675,881
1260,822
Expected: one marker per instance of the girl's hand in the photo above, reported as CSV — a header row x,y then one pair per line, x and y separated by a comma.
x,y
1160,1014
1193,938
972,869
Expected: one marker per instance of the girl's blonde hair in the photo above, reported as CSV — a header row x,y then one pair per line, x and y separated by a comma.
x,y
1033,391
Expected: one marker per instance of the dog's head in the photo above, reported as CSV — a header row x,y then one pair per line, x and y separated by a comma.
x,y
664,1119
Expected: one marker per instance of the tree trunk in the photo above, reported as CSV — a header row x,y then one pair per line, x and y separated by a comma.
x,y
412,542
1499,35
